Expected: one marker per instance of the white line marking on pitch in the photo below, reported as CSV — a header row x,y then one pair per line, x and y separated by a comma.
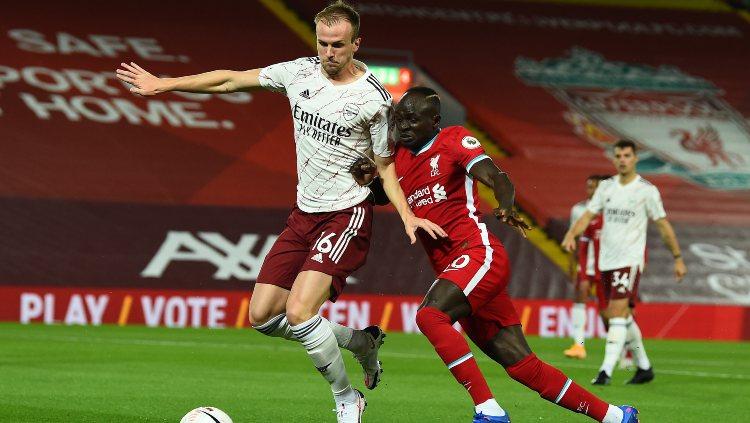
x,y
248,346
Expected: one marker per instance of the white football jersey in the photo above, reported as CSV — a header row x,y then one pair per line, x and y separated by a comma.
x,y
334,125
625,210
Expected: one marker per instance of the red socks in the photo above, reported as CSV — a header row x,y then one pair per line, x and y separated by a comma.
x,y
455,352
554,386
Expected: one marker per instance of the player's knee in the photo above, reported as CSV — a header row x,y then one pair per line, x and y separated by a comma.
x,y
616,311
258,316
428,317
297,312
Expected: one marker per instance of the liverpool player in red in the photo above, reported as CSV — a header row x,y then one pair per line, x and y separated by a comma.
x,y
438,169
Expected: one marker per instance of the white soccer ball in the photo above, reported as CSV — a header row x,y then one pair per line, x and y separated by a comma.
x,y
206,415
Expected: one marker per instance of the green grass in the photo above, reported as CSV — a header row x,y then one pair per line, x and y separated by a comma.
x,y
134,374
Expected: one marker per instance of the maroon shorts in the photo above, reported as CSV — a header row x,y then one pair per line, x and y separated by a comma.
x,y
622,283
334,243
483,274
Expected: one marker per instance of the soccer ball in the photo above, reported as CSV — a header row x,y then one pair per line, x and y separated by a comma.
x,y
206,415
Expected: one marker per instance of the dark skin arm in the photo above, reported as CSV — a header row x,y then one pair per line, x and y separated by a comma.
x,y
484,171
487,173
364,173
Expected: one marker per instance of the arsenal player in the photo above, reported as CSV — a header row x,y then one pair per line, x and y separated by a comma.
x,y
340,112
627,202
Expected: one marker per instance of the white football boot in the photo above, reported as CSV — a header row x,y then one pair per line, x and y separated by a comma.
x,y
347,412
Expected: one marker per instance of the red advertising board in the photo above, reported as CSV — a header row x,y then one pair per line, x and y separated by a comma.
x,y
228,309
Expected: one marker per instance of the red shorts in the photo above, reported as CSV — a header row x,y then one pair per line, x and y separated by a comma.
x,y
483,274
334,243
596,287
622,283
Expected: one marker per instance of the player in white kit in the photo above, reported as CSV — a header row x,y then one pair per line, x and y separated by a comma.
x,y
626,202
340,112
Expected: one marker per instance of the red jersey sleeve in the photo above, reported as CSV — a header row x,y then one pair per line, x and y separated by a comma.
x,y
465,148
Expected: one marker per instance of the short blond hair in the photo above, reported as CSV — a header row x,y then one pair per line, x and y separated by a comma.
x,y
335,12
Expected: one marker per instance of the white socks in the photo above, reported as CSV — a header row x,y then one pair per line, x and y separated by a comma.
x,y
320,342
635,339
278,327
346,337
615,343
490,408
578,315
614,415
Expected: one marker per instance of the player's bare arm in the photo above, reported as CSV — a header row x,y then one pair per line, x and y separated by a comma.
x,y
670,240
569,242
219,81
387,171
487,173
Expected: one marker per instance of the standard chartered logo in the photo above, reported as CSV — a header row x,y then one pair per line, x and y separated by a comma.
x,y
427,195
438,191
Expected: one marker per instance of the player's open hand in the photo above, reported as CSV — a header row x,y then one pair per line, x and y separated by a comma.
x,y
511,218
569,242
142,82
363,171
680,270
412,223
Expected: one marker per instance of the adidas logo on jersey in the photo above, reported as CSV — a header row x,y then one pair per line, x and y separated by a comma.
x,y
317,257
305,94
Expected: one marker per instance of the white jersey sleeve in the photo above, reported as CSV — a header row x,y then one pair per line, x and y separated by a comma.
x,y
279,76
596,204
654,205
379,130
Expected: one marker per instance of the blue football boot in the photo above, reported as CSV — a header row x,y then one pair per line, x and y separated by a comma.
x,y
481,418
629,414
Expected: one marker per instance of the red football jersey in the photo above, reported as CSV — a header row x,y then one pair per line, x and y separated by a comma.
x,y
588,249
438,187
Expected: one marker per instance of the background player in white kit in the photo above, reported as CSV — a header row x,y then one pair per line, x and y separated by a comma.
x,y
340,113
626,202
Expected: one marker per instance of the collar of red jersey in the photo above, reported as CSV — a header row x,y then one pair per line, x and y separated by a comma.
x,y
428,145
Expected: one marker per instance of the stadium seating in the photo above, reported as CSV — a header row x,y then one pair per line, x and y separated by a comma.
x,y
472,51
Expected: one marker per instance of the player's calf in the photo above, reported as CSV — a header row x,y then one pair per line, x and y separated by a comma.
x,y
554,386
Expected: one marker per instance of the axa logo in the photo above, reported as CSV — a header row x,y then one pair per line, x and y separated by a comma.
x,y
438,192
435,170
231,259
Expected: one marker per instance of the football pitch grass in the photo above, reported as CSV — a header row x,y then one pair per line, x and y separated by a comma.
x,y
139,374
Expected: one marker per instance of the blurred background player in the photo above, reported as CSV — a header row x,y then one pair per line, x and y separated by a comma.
x,y
438,168
626,202
585,270
340,110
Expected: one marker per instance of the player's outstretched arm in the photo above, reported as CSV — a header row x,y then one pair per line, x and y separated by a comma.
x,y
387,171
219,81
569,242
670,240
487,173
